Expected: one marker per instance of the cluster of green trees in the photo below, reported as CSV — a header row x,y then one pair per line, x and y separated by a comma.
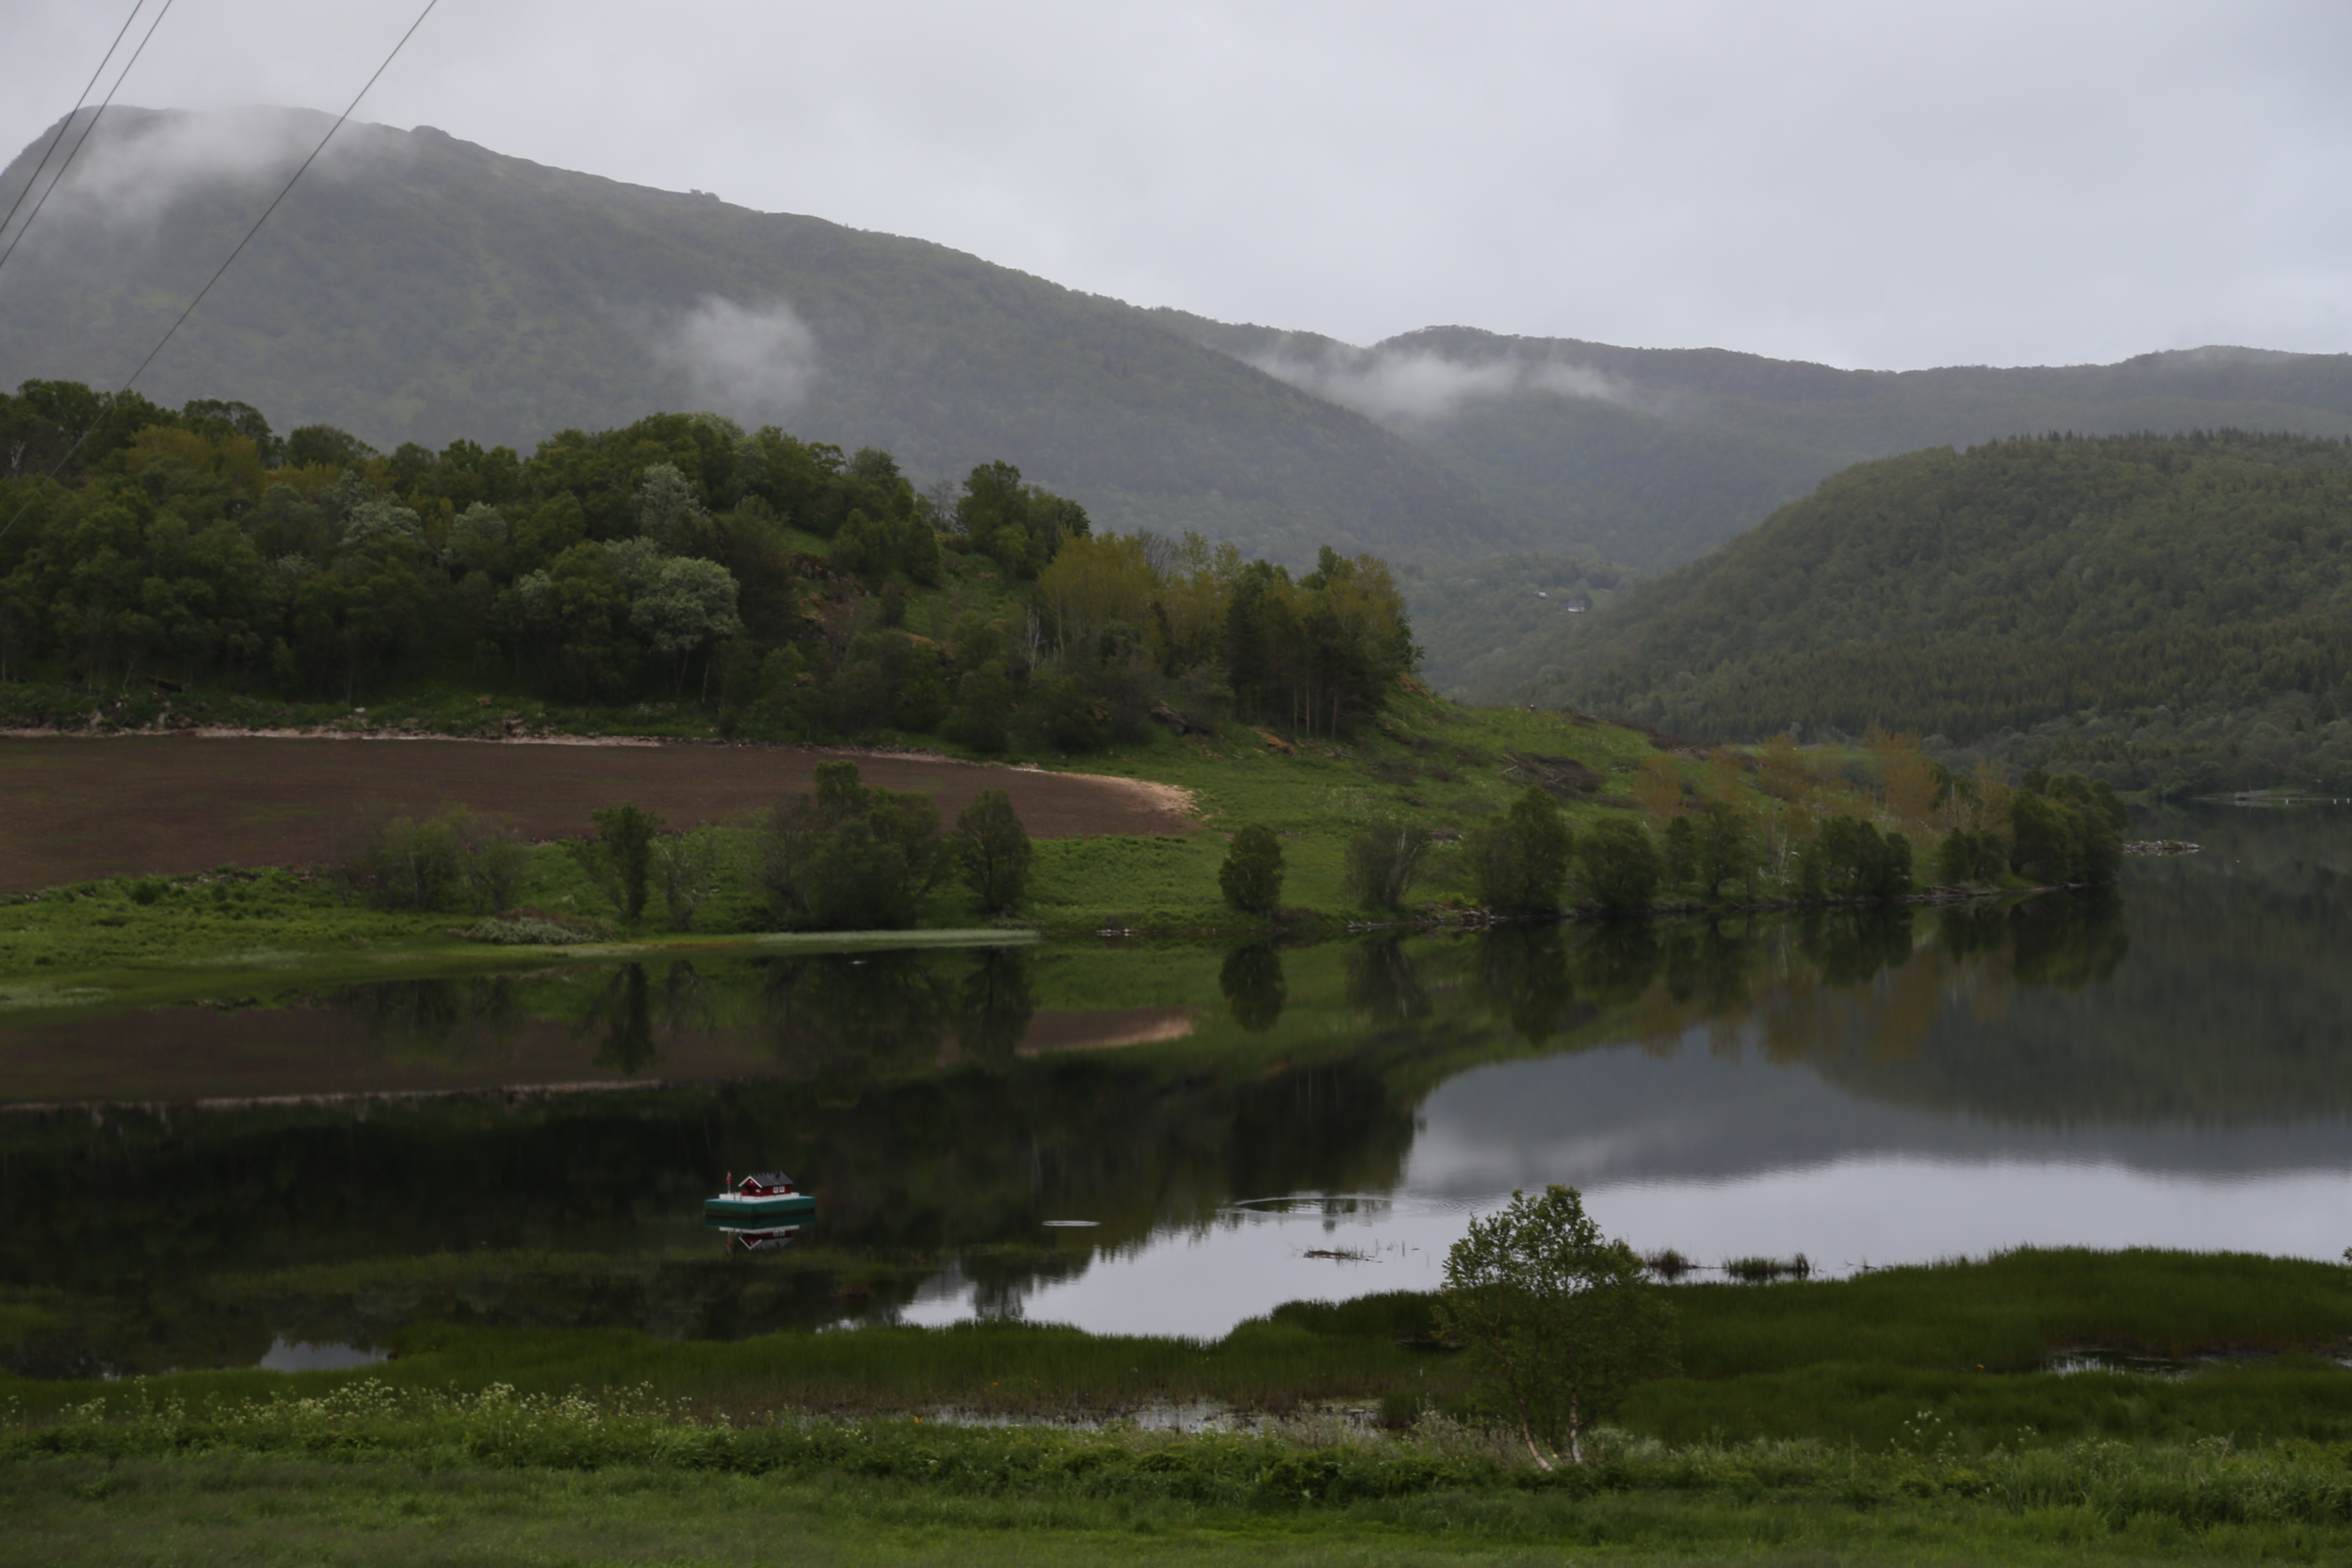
x,y
847,856
2112,587
199,545
769,577
1531,860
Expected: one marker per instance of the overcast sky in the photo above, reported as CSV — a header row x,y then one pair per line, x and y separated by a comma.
x,y
1877,184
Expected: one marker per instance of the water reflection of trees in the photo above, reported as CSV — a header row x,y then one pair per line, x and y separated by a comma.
x,y
439,1019
854,1016
902,1100
1254,988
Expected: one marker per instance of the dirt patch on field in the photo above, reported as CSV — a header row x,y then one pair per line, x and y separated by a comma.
x,y
74,808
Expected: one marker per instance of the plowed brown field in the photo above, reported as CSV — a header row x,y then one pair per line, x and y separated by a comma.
x,y
72,809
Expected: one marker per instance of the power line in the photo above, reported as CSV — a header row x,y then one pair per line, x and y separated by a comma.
x,y
74,150
281,195
35,177
283,192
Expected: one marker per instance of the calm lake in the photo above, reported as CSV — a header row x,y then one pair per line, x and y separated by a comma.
x,y
1172,1137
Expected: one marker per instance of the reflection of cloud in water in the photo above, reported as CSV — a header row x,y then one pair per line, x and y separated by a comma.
x,y
1201,1280
1607,1117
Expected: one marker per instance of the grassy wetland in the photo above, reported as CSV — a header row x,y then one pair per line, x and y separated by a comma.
x,y
1799,1427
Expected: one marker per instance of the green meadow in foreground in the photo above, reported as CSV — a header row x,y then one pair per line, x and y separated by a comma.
x,y
1900,1416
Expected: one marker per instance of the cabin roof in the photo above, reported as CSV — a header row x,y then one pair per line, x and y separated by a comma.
x,y
766,1179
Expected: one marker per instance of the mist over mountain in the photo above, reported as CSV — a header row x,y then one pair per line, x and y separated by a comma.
x,y
417,288
1652,457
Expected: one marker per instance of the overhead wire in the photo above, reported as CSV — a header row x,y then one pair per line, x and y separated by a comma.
x,y
35,177
283,192
74,150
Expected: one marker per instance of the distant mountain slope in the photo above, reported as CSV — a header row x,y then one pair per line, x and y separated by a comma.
x,y
1651,457
419,287
2020,582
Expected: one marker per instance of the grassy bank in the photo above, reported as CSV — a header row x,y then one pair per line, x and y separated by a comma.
x,y
1128,1500
503,1479
1830,1420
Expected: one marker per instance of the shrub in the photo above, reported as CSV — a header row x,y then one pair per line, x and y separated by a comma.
x,y
1383,859
520,930
1727,851
1620,865
850,857
1060,712
688,866
1971,855
492,860
1251,877
981,718
1857,861
1519,864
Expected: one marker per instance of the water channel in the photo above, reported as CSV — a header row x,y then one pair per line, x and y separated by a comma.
x,y
1170,1137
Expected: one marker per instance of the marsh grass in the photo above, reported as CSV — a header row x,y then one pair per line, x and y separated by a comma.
x,y
2010,1311
1843,1362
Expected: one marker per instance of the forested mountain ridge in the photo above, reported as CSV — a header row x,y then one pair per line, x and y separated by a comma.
x,y
1649,457
417,288
2179,607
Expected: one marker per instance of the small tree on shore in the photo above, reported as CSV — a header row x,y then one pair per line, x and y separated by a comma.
x,y
1519,863
619,858
1251,877
1555,1323
688,866
994,847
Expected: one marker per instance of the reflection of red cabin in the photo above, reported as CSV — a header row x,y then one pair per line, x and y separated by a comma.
x,y
765,1184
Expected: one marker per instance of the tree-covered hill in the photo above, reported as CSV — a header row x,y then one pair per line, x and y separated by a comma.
x,y
417,288
1649,457
2177,607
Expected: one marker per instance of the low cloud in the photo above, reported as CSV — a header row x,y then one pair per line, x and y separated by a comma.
x,y
1414,385
137,164
753,363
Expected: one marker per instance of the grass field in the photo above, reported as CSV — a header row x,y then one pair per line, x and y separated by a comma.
x,y
1743,1508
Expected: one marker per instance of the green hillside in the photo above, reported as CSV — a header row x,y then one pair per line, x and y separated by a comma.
x,y
417,288
2177,610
